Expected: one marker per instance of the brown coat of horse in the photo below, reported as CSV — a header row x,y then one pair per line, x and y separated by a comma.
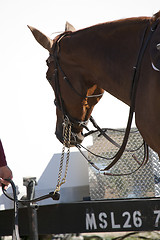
x,y
103,57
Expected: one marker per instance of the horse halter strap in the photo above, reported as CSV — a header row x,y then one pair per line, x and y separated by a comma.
x,y
59,100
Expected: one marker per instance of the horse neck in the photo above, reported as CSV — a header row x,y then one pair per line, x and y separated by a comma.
x,y
107,53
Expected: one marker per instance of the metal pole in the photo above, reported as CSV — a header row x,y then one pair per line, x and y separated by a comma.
x,y
32,208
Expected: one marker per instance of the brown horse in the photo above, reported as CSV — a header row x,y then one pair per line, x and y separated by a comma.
x,y
82,64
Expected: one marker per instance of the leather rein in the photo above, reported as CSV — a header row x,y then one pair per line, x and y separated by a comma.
x,y
60,104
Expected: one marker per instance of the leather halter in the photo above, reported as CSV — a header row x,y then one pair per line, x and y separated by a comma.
x,y
59,100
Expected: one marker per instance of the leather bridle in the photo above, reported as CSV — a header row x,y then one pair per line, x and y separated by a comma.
x,y
58,97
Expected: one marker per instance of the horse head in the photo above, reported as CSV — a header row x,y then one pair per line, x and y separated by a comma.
x,y
75,95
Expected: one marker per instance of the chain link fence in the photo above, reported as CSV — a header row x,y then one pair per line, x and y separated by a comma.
x,y
143,183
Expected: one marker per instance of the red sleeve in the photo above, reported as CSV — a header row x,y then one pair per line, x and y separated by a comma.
x,y
2,156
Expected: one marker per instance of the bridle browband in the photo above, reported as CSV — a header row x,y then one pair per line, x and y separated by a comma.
x,y
55,77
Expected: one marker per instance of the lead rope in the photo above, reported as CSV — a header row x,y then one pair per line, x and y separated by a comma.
x,y
66,143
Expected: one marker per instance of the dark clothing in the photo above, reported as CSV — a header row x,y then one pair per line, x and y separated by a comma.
x,y
2,156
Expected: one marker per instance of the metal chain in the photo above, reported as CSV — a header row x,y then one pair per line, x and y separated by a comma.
x,y
66,143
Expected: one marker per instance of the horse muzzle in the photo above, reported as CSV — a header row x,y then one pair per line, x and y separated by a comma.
x,y
70,133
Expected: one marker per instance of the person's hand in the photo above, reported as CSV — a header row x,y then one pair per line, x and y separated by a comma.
x,y
5,173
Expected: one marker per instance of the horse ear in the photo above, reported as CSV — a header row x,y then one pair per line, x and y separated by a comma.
x,y
69,27
42,39
155,48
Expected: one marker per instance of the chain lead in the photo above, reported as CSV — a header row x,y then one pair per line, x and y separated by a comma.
x,y
66,142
